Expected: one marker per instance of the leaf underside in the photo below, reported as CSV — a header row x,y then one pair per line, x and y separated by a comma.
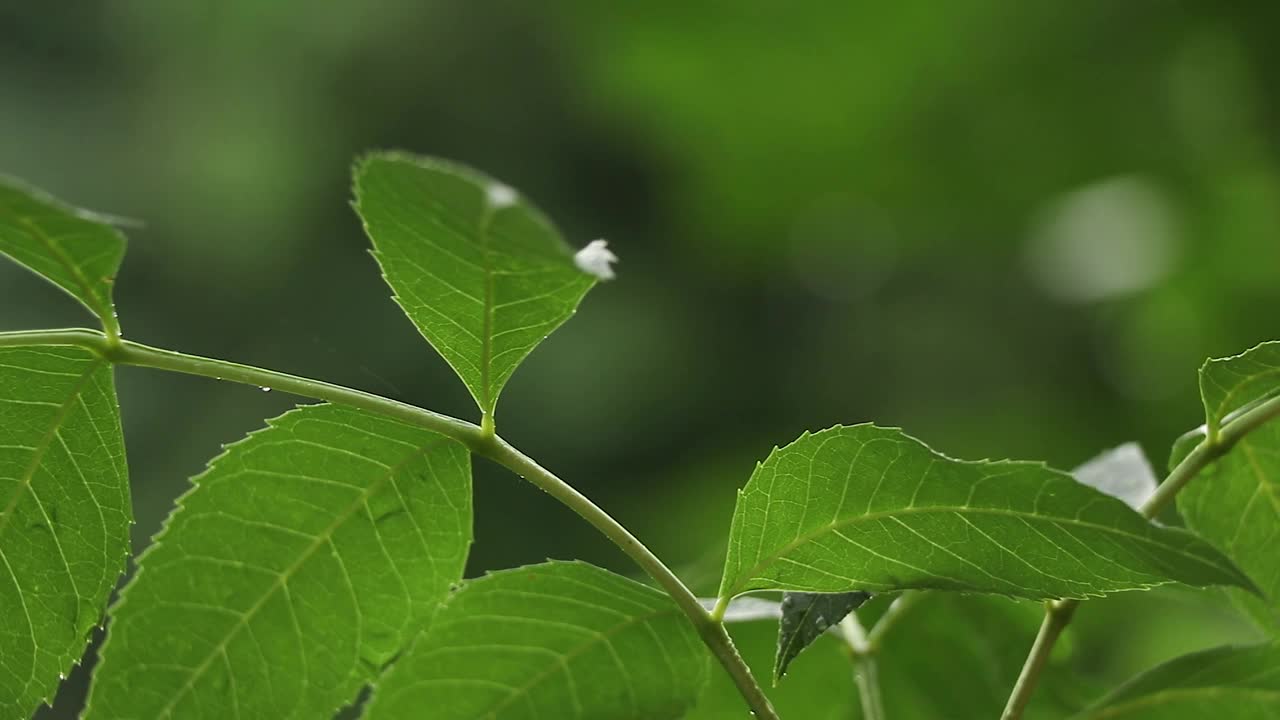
x,y
872,509
557,640
301,562
1226,683
805,617
482,273
70,248
64,514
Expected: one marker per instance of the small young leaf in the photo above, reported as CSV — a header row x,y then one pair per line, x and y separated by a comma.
x,y
1235,504
805,616
303,560
1227,384
1226,683
481,272
1123,472
872,509
557,640
73,249
64,514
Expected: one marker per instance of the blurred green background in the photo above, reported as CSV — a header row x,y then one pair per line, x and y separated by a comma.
x,y
1014,229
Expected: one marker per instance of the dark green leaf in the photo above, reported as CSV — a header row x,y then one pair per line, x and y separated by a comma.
x,y
873,509
1227,384
481,272
73,249
1227,683
805,616
1235,504
304,559
558,640
64,514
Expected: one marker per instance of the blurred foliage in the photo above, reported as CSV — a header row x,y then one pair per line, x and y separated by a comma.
x,y
830,212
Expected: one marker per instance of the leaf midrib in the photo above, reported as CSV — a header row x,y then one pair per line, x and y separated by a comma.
x,y
99,306
323,537
800,540
42,448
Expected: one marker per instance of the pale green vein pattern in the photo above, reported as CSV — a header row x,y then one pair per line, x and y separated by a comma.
x,y
1227,683
870,508
64,514
1233,382
1235,504
304,559
76,250
481,272
562,641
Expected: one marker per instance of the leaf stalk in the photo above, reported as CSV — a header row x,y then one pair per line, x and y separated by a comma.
x,y
1058,614
480,439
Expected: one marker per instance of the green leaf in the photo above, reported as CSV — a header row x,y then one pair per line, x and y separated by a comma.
x,y
870,508
64,514
1227,683
805,616
1227,384
73,249
1235,504
557,640
481,272
303,560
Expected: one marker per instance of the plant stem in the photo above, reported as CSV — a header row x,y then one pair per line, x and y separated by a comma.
x,y
1056,617
481,441
867,677
1058,614
865,673
891,616
711,629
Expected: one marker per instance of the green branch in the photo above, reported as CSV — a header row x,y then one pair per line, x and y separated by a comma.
x,y
480,440
1058,614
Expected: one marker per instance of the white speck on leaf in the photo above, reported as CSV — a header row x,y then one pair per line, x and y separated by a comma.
x,y
500,196
595,259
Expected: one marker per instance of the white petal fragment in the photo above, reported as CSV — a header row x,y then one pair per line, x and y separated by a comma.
x,y
595,259
1122,472
500,196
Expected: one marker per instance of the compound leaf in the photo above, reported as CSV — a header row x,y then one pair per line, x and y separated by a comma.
x,y
1226,683
557,640
873,509
481,272
303,560
1230,383
73,249
805,616
64,514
